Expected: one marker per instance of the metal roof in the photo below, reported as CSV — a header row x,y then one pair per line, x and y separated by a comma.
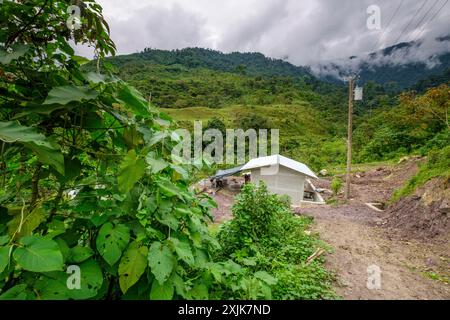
x,y
279,160
226,173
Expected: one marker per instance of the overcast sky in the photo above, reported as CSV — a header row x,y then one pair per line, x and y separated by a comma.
x,y
302,31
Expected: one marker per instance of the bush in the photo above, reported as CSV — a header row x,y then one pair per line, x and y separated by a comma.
x,y
336,185
266,237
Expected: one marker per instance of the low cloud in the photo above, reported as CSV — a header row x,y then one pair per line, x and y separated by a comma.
x,y
306,32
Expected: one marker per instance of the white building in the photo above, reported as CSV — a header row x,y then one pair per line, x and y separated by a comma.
x,y
282,176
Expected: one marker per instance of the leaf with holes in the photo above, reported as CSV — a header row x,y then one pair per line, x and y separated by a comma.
x,y
161,261
132,266
111,241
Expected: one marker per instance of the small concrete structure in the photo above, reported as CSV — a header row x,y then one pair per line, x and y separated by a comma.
x,y
283,176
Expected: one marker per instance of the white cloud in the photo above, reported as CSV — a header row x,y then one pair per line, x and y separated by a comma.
x,y
307,31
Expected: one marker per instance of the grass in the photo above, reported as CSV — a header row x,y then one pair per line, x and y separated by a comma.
x,y
438,165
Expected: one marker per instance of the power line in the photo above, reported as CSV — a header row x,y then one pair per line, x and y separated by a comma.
x,y
432,18
387,27
410,21
425,15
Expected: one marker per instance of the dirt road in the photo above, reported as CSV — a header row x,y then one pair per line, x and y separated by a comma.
x,y
359,239
359,243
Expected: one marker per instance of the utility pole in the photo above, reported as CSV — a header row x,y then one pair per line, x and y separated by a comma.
x,y
349,138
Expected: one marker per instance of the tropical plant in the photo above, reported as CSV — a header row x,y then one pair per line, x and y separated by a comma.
x,y
88,184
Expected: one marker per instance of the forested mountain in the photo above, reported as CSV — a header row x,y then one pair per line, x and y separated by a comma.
x,y
251,63
396,66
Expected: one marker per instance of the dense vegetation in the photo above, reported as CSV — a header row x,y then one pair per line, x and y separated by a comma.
x,y
92,205
266,237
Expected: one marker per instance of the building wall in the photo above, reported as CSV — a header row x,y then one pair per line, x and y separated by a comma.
x,y
284,182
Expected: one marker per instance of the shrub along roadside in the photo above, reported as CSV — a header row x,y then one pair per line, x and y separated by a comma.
x,y
269,240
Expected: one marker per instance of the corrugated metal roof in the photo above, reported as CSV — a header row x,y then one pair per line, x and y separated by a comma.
x,y
226,173
279,160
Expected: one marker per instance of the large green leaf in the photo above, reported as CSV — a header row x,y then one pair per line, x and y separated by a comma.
x,y
132,266
17,292
11,131
133,99
161,291
161,261
79,254
91,280
18,50
183,250
65,94
111,241
4,257
27,223
55,285
132,169
157,165
38,254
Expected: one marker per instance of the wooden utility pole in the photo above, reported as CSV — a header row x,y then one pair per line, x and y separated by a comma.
x,y
349,138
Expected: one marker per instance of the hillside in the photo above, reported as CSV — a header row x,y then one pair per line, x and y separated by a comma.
x,y
251,63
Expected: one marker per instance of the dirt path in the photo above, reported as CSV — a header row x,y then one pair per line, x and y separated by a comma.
x,y
359,239
358,243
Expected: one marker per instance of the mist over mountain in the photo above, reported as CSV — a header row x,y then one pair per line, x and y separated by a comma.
x,y
405,64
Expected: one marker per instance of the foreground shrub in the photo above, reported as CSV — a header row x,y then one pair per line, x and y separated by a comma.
x,y
265,236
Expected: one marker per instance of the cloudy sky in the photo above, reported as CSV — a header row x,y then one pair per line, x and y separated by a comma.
x,y
302,31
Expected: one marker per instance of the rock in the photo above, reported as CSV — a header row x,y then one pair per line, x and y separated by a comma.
x,y
444,207
403,159
323,172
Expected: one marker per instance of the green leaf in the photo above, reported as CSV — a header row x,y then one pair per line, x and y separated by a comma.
x,y
132,266
11,131
267,278
18,51
91,280
161,291
132,169
157,165
65,94
54,286
81,60
79,254
38,254
30,221
183,250
133,99
49,156
161,261
4,257
4,240
15,293
199,292
111,241
168,188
